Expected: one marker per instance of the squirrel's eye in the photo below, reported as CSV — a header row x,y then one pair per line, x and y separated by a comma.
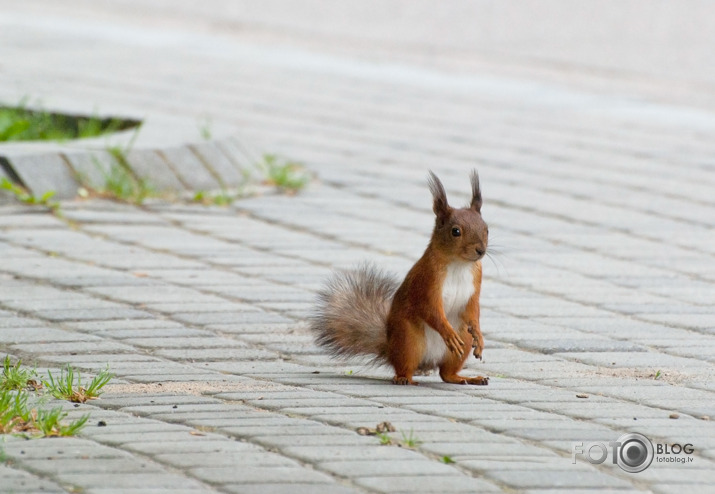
x,y
456,232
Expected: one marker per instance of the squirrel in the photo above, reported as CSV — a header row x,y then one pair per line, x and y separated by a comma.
x,y
431,319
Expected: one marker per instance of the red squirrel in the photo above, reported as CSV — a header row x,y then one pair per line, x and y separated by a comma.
x,y
431,319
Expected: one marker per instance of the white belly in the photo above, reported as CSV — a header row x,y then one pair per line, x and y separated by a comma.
x,y
457,289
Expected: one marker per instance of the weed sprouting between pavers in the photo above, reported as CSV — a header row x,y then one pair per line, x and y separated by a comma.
x,y
382,432
219,198
204,125
26,197
49,422
119,182
69,386
287,175
409,441
18,416
15,377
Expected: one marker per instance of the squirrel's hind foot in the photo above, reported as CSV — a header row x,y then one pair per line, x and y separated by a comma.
x,y
403,381
457,379
478,380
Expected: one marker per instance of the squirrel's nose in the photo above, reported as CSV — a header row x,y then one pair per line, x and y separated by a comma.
x,y
480,252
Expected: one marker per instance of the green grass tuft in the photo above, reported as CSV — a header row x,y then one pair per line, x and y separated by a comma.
x,y
410,440
286,175
17,417
48,422
204,125
385,439
218,198
26,197
69,386
15,377
121,182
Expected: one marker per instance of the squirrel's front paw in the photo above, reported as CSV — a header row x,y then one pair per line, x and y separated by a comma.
x,y
455,344
477,340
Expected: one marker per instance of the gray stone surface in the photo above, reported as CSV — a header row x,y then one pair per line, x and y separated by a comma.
x,y
189,168
597,302
152,165
43,173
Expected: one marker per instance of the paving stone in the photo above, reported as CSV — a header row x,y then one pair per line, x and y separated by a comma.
x,y
581,491
255,368
293,488
377,467
136,325
634,359
37,335
311,401
20,481
217,163
347,439
76,347
92,168
557,479
149,490
136,480
113,400
252,474
90,466
42,173
208,341
352,453
470,450
151,166
580,345
164,333
186,410
171,377
191,445
426,484
160,293
215,318
225,459
189,168
91,314
72,448
214,354
695,488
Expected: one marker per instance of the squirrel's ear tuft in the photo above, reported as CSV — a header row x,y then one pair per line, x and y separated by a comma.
x,y
476,192
439,197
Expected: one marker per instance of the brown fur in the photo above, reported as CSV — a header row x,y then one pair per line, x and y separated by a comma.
x,y
352,319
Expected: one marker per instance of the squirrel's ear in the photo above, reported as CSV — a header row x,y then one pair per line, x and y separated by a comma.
x,y
476,192
439,197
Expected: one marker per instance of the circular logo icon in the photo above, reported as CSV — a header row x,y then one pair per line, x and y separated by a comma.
x,y
635,453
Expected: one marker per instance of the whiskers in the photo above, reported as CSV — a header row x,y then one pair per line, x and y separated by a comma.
x,y
495,253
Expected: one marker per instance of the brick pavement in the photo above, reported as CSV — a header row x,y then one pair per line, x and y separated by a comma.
x,y
601,213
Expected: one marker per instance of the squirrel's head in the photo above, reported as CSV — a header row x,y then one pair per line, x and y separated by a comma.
x,y
461,233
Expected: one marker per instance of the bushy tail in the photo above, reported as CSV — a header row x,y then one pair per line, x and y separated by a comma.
x,y
351,314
